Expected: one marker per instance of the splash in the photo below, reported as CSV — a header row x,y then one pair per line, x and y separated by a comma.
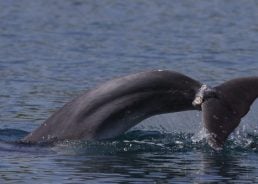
x,y
200,136
136,141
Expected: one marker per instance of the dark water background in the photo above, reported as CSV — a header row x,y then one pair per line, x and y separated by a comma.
x,y
51,51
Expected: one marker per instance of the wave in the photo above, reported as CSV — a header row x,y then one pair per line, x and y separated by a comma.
x,y
139,141
11,135
136,141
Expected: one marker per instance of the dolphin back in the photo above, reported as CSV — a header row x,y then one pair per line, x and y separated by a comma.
x,y
115,106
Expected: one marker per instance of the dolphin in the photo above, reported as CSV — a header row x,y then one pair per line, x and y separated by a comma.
x,y
115,106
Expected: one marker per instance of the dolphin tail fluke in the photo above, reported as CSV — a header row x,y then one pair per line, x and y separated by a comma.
x,y
219,121
221,115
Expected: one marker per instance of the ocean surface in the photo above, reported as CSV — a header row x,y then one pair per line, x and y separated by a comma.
x,y
52,51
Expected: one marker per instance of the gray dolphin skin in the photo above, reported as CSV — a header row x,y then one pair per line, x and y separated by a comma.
x,y
117,105
223,114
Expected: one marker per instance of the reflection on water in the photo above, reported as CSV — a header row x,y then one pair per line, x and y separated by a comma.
x,y
136,157
197,166
194,165
53,51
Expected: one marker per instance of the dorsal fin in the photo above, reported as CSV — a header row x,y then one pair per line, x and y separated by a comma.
x,y
223,114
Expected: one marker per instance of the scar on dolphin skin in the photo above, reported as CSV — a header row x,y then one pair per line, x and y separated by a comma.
x,y
113,107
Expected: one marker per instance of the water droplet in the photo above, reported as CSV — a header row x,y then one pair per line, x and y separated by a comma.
x,y
178,142
215,117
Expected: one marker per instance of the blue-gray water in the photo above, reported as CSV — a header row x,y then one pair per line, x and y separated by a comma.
x,y
51,51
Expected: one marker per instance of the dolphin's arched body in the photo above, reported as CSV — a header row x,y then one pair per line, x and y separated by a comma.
x,y
117,105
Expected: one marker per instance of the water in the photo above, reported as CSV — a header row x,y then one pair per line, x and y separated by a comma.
x,y
52,51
